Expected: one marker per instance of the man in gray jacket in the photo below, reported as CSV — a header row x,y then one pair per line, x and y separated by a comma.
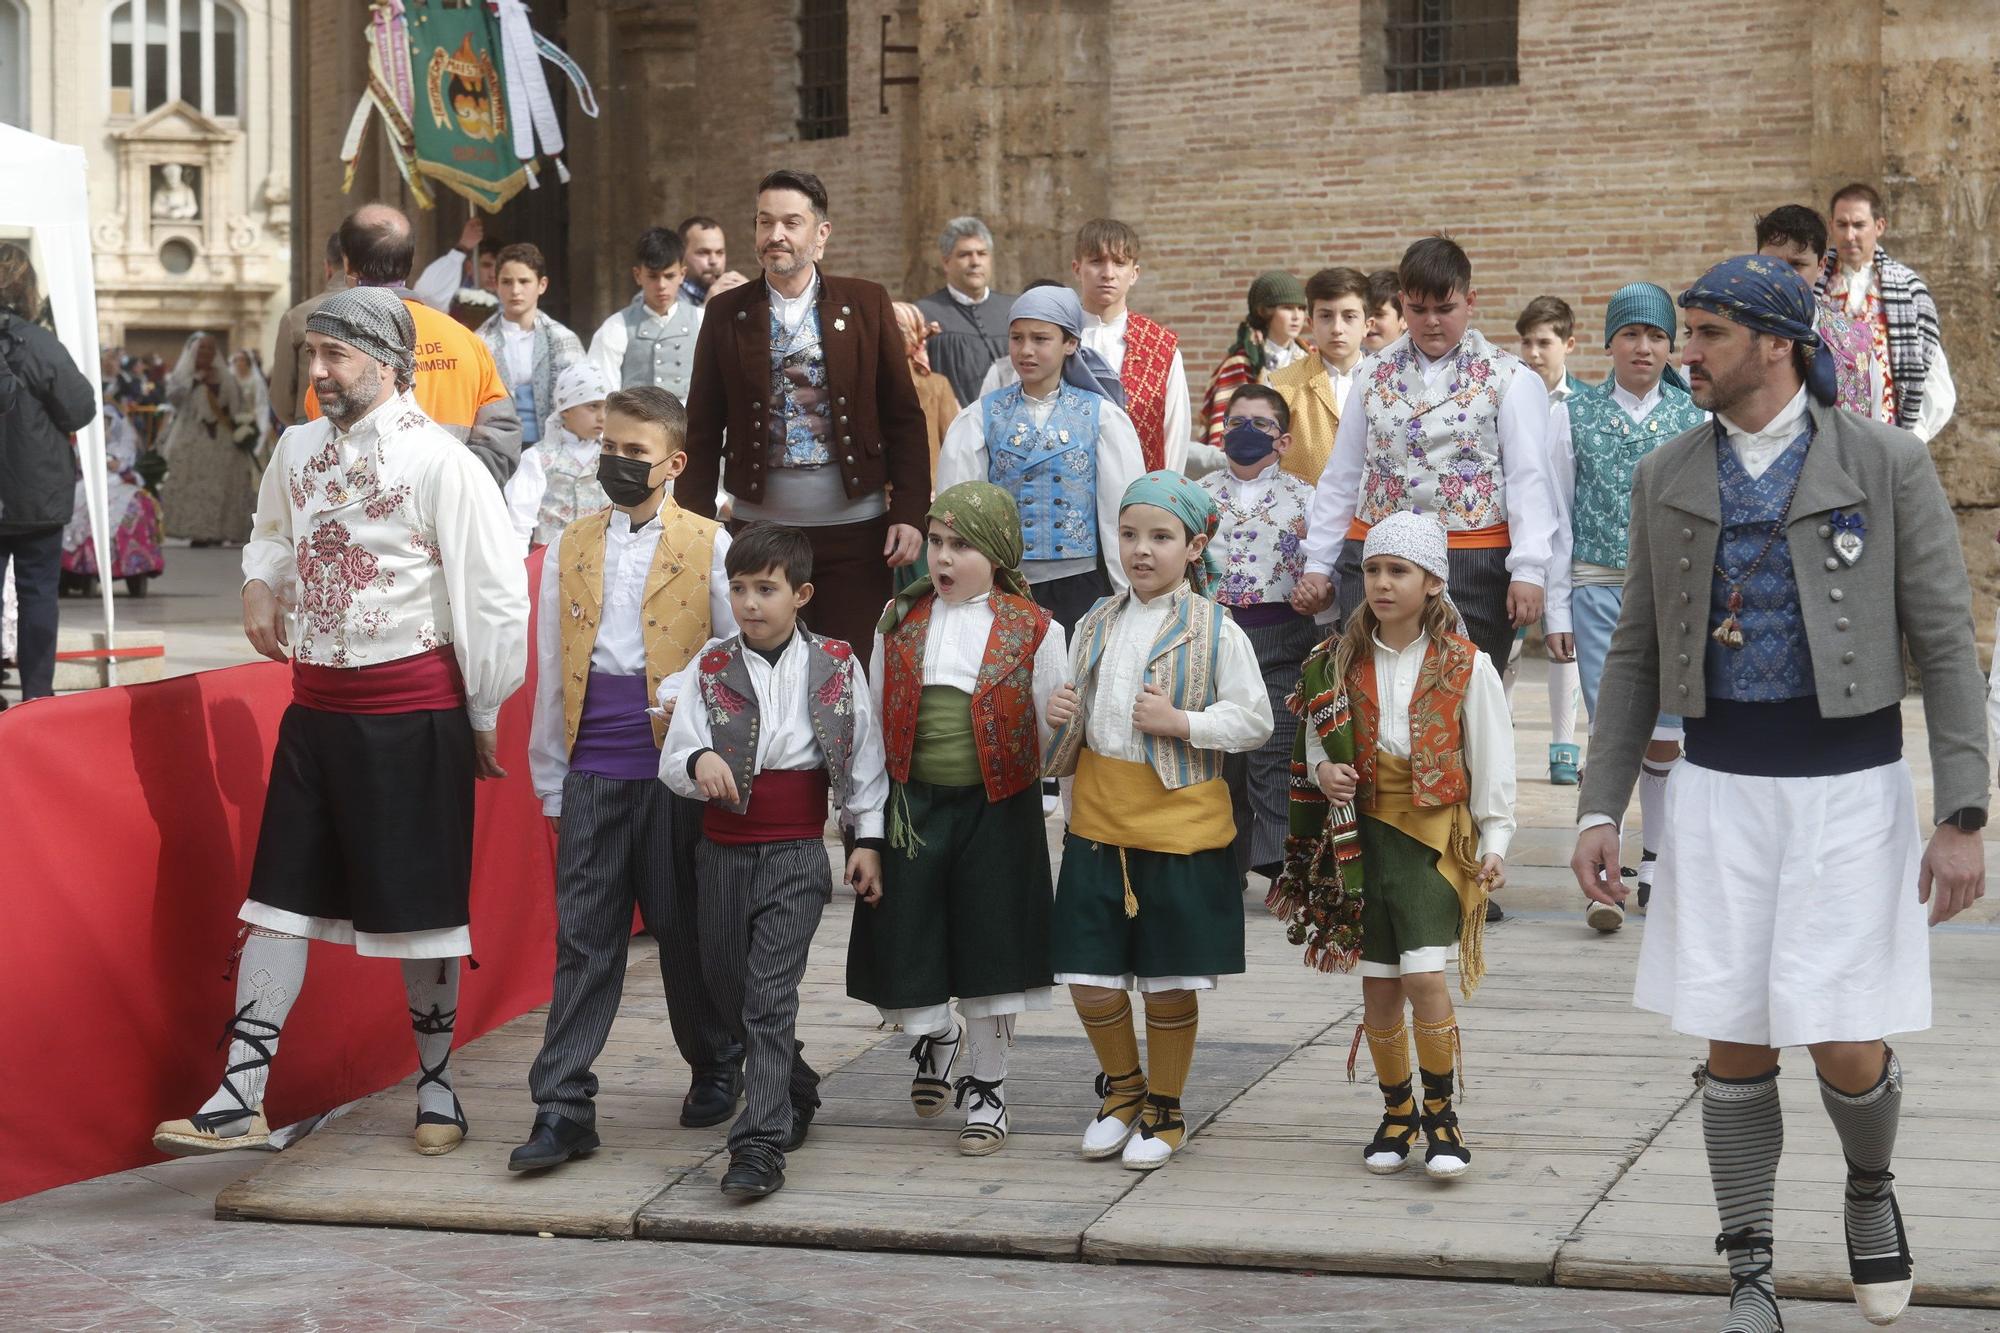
x,y
1781,558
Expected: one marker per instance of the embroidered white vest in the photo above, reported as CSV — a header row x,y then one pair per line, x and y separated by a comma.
x,y
1435,446
370,576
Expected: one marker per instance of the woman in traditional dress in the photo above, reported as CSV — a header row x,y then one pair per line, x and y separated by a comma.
x,y
211,483
136,554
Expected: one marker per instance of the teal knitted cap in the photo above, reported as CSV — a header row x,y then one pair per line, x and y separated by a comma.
x,y
1640,303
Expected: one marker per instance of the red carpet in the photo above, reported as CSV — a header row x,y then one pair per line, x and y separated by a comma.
x,y
131,818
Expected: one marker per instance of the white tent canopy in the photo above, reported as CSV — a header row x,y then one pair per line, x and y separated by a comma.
x,y
44,199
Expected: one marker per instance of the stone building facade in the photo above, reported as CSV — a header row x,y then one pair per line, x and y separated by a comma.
x,y
182,108
1628,145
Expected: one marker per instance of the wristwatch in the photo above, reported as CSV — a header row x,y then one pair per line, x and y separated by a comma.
x,y
1969,820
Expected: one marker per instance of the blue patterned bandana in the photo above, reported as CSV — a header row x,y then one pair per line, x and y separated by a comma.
x,y
1761,294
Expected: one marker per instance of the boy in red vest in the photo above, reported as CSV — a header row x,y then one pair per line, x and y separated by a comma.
x,y
629,595
1145,355
964,665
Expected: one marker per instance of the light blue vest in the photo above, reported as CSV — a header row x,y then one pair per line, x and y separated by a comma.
x,y
1050,472
1775,662
1608,445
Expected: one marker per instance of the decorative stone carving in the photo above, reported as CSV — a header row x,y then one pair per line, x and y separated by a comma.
x,y
174,199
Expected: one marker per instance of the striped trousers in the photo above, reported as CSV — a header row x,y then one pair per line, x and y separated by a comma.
x,y
1478,587
624,843
760,905
1260,782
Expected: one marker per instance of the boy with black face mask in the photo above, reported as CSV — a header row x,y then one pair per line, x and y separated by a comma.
x,y
1261,543
629,595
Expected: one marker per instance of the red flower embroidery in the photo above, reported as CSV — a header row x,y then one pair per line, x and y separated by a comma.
x,y
837,649
834,688
713,661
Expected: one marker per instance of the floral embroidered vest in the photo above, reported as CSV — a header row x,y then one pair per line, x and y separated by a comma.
x,y
801,417
1149,363
1608,445
1775,661
1181,660
675,604
723,683
1050,471
1437,724
1003,696
1263,546
570,491
1434,446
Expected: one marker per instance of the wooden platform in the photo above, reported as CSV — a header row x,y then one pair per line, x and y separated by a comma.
x,y
1583,1118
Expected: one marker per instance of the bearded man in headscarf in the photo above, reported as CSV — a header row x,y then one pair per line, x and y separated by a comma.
x,y
1782,557
382,565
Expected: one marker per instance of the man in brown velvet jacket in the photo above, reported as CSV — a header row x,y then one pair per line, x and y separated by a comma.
x,y
801,402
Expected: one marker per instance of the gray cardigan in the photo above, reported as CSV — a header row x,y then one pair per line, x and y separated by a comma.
x,y
1909,585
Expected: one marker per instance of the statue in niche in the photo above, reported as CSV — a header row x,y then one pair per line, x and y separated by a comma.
x,y
174,199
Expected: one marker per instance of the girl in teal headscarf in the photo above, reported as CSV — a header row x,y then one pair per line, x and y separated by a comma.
x,y
964,666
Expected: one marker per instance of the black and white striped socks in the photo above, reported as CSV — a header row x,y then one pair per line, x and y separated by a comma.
x,y
1866,1123
1744,1133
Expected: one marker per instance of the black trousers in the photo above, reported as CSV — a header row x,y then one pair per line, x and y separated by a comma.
x,y
618,849
1478,588
37,560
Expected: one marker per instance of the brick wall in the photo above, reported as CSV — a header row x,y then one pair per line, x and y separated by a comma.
x,y
1623,154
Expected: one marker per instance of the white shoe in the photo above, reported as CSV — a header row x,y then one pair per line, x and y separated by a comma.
x,y
1385,1163
1604,917
1146,1149
1446,1166
1105,1135
1883,1302
1144,1152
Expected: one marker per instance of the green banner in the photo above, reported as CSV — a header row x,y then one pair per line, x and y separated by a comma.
x,y
459,119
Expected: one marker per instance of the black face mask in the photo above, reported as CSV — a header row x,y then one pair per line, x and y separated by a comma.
x,y
625,480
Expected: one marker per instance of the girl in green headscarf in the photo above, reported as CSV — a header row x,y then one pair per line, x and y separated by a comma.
x,y
964,666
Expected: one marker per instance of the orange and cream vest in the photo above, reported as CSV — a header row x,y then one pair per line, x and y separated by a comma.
x,y
675,603
1437,724
1003,698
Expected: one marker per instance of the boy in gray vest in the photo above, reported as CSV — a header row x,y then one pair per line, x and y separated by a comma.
x,y
651,341
768,722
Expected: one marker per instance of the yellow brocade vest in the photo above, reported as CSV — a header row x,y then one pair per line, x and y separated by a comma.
x,y
675,603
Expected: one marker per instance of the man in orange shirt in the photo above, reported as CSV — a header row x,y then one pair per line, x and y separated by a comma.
x,y
457,384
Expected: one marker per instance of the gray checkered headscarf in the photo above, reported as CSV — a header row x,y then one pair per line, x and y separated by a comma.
x,y
373,321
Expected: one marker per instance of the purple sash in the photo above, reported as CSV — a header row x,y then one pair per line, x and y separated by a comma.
x,y
614,737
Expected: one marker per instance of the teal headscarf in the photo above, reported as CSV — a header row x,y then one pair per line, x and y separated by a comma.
x,y
987,517
1195,508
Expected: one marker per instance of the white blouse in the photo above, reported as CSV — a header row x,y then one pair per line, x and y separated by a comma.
x,y
785,737
1487,728
406,546
955,646
1237,721
620,649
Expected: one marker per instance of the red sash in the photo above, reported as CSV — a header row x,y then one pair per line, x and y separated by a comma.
x,y
425,683
786,805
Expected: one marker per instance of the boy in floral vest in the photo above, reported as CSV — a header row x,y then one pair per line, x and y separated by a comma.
x,y
1149,898
1260,540
770,720
1598,437
964,666
629,595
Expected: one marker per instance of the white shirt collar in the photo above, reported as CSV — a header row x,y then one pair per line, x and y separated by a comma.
x,y
1334,372
1635,406
1416,644
791,305
1782,430
1265,473
1425,363
1160,600
963,299
371,425
621,522
1116,327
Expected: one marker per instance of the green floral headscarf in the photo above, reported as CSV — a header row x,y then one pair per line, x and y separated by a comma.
x,y
986,516
1195,508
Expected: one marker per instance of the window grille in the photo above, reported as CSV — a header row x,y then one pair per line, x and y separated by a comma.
x,y
822,69
1440,45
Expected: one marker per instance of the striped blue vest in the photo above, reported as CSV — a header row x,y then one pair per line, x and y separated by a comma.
x,y
1051,472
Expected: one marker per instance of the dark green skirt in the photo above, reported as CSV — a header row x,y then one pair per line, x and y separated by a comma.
x,y
969,915
1190,921
1409,904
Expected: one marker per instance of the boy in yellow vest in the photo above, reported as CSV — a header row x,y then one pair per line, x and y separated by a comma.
x,y
629,595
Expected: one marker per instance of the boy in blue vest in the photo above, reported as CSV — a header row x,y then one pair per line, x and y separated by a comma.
x,y
1597,436
767,722
651,341
1060,444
